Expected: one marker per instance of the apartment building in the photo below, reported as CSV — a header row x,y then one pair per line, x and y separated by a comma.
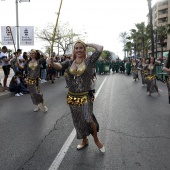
x,y
161,16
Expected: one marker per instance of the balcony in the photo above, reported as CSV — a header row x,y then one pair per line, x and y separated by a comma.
x,y
162,16
162,24
162,7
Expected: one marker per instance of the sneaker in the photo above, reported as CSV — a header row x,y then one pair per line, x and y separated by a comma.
x,y
17,95
20,94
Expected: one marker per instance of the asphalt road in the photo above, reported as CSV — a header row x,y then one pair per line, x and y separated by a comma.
x,y
134,128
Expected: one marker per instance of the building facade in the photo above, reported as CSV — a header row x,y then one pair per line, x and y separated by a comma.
x,y
161,17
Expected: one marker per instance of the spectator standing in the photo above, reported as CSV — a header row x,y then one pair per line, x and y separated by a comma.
x,y
13,62
21,61
5,65
25,57
43,71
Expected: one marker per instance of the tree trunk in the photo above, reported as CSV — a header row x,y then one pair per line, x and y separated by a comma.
x,y
151,27
162,53
143,47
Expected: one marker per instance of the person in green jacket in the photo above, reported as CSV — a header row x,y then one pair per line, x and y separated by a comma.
x,y
128,67
117,66
122,66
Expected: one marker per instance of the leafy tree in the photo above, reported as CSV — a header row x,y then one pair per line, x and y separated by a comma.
x,y
106,55
63,39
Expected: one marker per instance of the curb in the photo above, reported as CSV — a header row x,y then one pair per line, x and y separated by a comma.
x,y
5,94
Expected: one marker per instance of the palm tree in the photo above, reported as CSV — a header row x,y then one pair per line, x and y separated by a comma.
x,y
142,35
135,40
162,32
151,26
128,47
123,39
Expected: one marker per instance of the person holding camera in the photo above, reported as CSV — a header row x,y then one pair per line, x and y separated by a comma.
x,y
80,95
5,65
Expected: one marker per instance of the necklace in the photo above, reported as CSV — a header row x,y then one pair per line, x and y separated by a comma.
x,y
78,64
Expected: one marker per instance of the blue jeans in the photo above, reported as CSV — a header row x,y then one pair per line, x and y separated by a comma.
x,y
15,69
23,89
17,88
43,74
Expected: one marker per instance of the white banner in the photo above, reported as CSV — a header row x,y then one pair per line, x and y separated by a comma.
x,y
26,35
6,38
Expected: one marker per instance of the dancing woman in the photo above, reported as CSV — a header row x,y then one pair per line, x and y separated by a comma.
x,y
166,68
135,69
80,96
151,77
33,66
144,71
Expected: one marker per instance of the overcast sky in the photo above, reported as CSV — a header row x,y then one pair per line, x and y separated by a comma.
x,y
102,20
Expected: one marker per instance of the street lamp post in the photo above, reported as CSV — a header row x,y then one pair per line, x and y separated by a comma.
x,y
17,24
17,20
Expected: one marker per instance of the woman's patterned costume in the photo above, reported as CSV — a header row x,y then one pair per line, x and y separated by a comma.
x,y
144,73
80,97
33,81
151,79
135,70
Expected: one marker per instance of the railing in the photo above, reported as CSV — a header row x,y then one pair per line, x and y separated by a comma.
x,y
160,74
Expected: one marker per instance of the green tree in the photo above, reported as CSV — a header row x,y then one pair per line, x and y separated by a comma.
x,y
63,39
162,32
106,55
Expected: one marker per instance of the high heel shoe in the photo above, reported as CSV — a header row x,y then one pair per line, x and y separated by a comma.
x,y
102,150
37,109
81,146
45,109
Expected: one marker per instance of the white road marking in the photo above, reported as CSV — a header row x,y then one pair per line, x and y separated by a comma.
x,y
58,159
160,90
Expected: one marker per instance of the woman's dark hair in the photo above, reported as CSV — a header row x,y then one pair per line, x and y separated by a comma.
x,y
37,55
168,60
25,56
150,60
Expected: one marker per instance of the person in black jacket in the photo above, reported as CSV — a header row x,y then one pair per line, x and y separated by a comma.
x,y
16,85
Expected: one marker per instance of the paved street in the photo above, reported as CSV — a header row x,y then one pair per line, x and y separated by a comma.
x,y
134,128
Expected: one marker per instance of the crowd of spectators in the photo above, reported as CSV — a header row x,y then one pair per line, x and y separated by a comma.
x,y
17,83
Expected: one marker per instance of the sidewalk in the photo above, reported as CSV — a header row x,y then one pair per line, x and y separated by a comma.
x,y
6,93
